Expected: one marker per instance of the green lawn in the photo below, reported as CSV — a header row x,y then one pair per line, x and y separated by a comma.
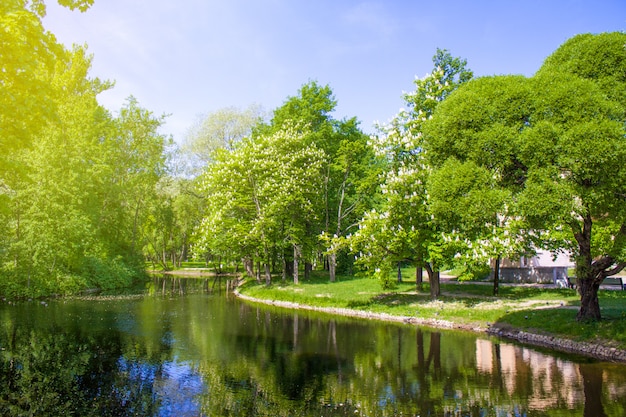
x,y
528,308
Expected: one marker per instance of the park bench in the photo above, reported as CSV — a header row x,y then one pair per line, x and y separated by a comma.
x,y
621,281
609,281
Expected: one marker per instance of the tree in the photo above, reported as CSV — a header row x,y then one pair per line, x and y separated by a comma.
x,y
28,57
51,218
403,228
172,218
73,179
261,196
223,128
474,214
556,142
353,176
349,168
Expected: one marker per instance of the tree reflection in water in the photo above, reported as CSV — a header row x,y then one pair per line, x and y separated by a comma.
x,y
211,355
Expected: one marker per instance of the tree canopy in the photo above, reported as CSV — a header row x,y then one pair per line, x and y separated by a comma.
x,y
75,181
402,228
556,143
301,175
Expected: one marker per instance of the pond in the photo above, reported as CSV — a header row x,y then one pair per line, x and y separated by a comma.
x,y
196,353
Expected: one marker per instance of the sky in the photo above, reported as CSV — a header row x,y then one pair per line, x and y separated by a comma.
x,y
189,58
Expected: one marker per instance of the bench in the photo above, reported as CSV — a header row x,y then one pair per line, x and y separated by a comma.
x,y
608,281
621,281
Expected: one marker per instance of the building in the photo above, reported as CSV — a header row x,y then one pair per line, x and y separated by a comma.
x,y
541,268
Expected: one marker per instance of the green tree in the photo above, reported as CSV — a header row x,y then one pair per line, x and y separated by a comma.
x,y
403,228
261,196
172,218
353,176
310,112
474,214
28,56
50,221
555,142
73,179
349,170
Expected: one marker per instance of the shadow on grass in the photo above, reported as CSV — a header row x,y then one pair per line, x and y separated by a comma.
x,y
510,292
390,300
561,322
399,299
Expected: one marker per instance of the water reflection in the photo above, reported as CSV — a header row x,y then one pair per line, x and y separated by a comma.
x,y
206,354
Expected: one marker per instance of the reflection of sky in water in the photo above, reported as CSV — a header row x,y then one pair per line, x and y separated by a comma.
x,y
175,385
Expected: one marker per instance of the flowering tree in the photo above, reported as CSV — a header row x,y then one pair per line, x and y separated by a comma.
x,y
473,211
261,196
404,228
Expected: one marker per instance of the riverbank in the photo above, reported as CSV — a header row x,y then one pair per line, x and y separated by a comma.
x,y
538,316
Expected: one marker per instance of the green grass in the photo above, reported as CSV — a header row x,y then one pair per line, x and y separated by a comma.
x,y
529,308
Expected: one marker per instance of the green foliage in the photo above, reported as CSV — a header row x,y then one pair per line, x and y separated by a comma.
x,y
81,5
302,175
550,149
75,182
222,129
107,274
260,196
402,227
27,64
599,57
171,221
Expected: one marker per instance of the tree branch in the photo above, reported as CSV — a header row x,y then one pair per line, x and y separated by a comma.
x,y
616,269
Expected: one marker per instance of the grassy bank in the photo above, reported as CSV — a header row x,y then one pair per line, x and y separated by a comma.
x,y
469,305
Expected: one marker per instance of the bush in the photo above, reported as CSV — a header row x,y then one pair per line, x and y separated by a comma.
x,y
108,274
475,272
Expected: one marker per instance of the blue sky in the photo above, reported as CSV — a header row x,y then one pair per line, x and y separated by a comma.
x,y
186,58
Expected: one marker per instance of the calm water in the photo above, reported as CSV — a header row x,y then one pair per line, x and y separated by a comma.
x,y
211,355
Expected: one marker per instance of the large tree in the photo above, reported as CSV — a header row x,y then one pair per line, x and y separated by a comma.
x,y
557,143
223,128
403,228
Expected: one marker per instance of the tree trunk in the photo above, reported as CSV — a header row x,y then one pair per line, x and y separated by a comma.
x,y
248,265
308,267
496,277
297,250
332,266
419,277
586,276
399,272
268,275
435,289
589,303
433,278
